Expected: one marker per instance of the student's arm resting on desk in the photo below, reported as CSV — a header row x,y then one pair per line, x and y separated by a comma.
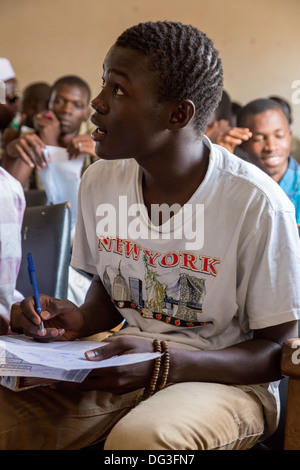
x,y
64,320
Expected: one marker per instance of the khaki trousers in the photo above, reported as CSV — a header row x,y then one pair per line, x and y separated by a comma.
x,y
185,416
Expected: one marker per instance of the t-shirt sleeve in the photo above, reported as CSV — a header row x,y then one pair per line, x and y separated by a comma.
x,y
82,257
269,272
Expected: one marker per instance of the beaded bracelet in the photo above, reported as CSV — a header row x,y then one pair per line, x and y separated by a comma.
x,y
153,387
166,366
155,373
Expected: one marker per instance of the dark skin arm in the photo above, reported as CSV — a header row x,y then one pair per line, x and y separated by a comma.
x,y
26,152
232,137
22,155
64,320
248,362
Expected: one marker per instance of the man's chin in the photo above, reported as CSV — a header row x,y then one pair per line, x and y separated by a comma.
x,y
65,130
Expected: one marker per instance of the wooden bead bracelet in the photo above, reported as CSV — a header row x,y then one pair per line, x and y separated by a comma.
x,y
161,365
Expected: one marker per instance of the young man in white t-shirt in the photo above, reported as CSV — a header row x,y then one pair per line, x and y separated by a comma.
x,y
210,278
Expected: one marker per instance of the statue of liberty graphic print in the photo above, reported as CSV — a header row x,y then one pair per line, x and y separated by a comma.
x,y
178,303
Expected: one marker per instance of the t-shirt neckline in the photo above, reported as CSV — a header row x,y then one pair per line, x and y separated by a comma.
x,y
200,195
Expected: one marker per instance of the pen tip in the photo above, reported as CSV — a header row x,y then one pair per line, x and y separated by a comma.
x,y
42,329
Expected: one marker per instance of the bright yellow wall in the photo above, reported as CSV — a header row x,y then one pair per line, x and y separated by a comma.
x,y
258,40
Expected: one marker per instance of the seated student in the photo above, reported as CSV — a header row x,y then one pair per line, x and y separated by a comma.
x,y
270,145
295,143
61,125
213,300
58,126
221,118
264,135
12,206
34,99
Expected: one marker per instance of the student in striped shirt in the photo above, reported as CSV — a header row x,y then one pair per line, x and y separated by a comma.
x,y
12,206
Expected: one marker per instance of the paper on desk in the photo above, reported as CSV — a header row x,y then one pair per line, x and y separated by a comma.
x,y
65,355
61,177
13,366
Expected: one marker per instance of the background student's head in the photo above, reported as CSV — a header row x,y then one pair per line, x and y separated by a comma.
x,y
269,146
35,98
69,100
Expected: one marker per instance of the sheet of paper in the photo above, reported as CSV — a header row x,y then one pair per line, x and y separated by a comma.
x,y
61,177
13,366
65,355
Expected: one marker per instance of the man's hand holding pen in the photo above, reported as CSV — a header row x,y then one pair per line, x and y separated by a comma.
x,y
62,319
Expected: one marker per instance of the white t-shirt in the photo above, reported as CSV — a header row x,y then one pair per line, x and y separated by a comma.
x,y
229,263
242,272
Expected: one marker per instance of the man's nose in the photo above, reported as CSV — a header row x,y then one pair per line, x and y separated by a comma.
x,y
271,143
67,107
100,104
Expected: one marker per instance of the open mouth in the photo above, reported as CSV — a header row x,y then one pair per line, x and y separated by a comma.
x,y
98,134
100,130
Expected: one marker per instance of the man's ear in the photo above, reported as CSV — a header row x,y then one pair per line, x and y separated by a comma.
x,y
181,114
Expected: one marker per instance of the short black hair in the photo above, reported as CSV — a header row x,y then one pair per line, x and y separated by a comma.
x,y
189,66
224,108
72,80
285,106
256,107
36,90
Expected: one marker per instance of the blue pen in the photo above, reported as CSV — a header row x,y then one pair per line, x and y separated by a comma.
x,y
31,272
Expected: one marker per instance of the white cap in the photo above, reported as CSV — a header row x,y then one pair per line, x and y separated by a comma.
x,y
6,70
